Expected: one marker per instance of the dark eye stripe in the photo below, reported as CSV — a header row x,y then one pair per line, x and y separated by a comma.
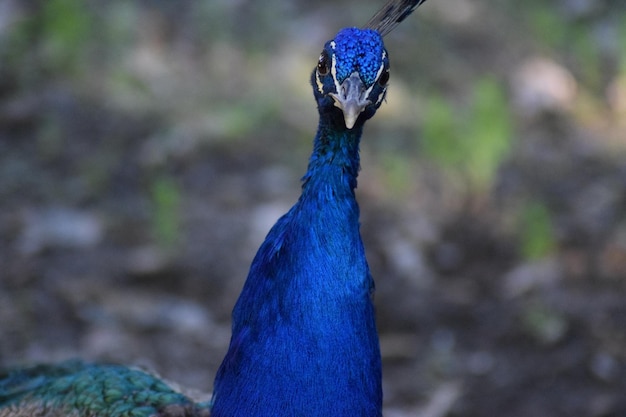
x,y
384,78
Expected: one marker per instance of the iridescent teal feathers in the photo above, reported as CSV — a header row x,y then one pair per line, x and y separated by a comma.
x,y
75,388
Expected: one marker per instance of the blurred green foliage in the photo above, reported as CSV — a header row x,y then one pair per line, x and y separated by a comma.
x,y
166,218
547,24
50,40
66,27
622,45
471,144
536,231
573,40
396,168
489,133
440,135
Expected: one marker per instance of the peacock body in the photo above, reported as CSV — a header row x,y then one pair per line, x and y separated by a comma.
x,y
304,339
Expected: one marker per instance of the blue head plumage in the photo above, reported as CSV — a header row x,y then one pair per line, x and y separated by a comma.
x,y
359,50
351,76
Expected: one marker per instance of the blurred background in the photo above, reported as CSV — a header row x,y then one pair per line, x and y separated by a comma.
x,y
146,147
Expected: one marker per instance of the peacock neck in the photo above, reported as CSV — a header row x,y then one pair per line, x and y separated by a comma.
x,y
304,336
334,164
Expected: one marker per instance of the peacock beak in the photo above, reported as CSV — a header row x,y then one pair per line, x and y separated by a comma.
x,y
351,99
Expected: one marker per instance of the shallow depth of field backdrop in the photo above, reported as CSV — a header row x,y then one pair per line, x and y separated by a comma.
x,y
146,147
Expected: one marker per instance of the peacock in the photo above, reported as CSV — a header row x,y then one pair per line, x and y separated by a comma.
x,y
304,339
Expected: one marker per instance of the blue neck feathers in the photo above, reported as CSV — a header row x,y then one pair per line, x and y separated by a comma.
x,y
334,164
304,339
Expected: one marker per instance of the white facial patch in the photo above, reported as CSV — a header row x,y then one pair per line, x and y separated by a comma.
x,y
333,72
320,86
333,68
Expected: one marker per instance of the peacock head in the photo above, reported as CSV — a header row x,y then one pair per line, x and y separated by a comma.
x,y
352,75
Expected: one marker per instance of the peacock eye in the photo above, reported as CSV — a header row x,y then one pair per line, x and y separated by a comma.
x,y
323,64
384,78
